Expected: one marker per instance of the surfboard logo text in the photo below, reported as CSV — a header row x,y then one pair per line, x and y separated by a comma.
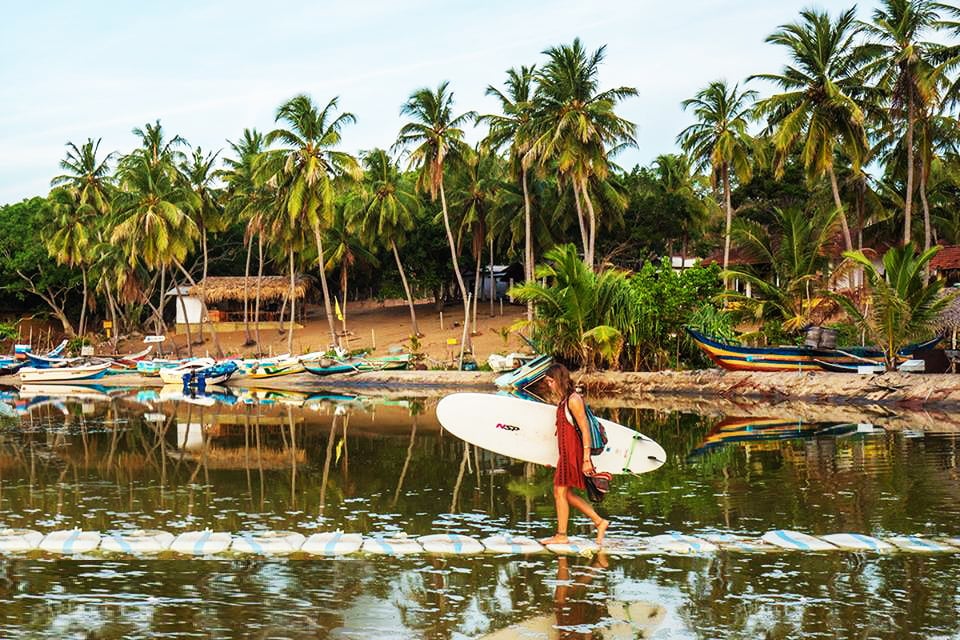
x,y
507,427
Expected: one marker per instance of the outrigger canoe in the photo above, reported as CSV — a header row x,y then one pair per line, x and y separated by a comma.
x,y
356,365
790,358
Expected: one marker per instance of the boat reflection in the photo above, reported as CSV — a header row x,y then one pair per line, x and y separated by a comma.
x,y
753,430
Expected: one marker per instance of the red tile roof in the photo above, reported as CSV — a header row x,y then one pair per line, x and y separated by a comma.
x,y
947,258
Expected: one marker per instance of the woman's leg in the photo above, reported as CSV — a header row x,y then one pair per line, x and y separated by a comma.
x,y
587,510
560,497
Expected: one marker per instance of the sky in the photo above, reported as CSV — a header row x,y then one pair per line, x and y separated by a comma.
x,y
76,70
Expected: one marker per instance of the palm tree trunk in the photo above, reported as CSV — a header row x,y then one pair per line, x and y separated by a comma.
x,y
113,314
593,222
467,345
583,226
908,198
927,234
838,203
256,304
83,305
323,285
163,298
493,285
205,315
246,297
343,294
406,289
293,305
476,285
728,211
528,241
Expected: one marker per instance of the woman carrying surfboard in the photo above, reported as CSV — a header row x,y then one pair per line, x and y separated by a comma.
x,y
574,461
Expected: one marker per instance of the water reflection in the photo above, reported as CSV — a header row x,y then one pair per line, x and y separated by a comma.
x,y
106,458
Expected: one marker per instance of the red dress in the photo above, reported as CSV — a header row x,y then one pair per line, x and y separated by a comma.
x,y
570,463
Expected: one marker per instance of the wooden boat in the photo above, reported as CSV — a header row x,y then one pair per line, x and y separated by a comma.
x,y
152,368
64,374
200,372
356,365
261,369
790,358
526,375
130,360
862,368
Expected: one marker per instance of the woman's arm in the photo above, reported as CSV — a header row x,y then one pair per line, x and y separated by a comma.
x,y
579,412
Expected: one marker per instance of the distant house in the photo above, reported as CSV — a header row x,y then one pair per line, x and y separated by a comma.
x,y
946,264
504,275
225,296
738,258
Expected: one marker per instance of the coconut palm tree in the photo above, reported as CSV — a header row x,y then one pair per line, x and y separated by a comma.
x,y
902,306
84,195
817,109
794,248
244,201
386,210
153,222
719,140
577,128
513,129
305,170
345,249
432,136
901,63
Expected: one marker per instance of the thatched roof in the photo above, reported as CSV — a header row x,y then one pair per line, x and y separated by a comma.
x,y
949,318
230,288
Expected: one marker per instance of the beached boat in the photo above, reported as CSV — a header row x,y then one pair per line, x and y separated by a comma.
x,y
269,368
326,367
526,375
64,374
152,368
199,372
790,358
862,368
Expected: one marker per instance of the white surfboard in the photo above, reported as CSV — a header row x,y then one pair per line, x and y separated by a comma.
x,y
680,543
332,543
450,543
19,540
202,543
796,541
268,543
575,546
512,544
526,430
919,545
70,542
397,545
137,542
858,542
740,544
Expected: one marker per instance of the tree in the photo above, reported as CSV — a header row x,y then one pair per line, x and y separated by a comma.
x,y
719,140
514,129
791,291
153,221
432,136
387,208
83,196
900,62
305,170
245,200
902,307
817,110
346,249
577,128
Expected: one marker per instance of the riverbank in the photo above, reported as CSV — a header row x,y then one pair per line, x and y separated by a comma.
x,y
894,390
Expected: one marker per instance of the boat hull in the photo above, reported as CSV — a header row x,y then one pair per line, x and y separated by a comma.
x,y
63,374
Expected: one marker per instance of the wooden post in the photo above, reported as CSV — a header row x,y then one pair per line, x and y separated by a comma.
x,y
466,325
511,289
373,338
441,321
501,307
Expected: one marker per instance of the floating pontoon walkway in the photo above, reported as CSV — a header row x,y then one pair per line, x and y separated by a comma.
x,y
337,543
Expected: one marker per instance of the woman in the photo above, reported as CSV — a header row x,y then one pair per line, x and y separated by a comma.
x,y
574,460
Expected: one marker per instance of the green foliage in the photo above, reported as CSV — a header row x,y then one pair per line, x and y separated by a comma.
x,y
902,307
8,330
614,318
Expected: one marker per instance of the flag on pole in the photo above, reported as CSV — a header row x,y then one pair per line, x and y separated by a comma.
x,y
336,309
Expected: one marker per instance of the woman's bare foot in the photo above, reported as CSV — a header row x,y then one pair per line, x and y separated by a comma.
x,y
560,538
602,530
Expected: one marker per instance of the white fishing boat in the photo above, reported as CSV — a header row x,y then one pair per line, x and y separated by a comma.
x,y
64,374
174,375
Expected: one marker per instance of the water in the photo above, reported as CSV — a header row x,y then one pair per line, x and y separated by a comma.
x,y
116,459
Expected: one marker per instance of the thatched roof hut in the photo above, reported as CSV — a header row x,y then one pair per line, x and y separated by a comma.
x,y
218,289
949,319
